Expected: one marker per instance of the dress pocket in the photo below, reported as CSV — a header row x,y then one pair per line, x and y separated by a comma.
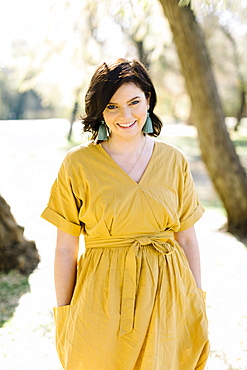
x,y
61,319
204,294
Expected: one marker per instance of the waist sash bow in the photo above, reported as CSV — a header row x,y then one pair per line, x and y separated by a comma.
x,y
162,243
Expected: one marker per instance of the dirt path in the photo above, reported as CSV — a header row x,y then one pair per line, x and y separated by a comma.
x,y
30,154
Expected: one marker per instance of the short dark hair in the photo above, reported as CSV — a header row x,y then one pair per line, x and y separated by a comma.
x,y
106,80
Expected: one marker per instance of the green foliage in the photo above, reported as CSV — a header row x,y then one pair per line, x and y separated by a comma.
x,y
183,3
12,286
17,104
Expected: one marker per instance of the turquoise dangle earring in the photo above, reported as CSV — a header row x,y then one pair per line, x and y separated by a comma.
x,y
102,132
148,126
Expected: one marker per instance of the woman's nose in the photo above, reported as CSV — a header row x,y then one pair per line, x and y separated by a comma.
x,y
125,112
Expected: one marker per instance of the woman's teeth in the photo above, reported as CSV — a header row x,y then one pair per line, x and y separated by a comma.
x,y
126,124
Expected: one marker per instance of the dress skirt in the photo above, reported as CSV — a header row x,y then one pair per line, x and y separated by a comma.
x,y
136,306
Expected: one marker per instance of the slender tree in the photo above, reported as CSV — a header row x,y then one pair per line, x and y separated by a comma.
x,y
240,76
217,149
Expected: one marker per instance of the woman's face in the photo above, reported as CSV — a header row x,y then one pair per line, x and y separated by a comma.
x,y
126,112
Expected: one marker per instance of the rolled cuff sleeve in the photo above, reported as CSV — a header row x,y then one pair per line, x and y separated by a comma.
x,y
192,219
60,222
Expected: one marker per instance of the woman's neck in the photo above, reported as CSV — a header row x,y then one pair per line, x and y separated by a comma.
x,y
116,145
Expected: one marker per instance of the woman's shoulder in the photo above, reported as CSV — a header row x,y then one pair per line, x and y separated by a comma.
x,y
83,150
81,155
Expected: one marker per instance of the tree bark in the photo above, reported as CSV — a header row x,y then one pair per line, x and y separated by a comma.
x,y
218,152
15,251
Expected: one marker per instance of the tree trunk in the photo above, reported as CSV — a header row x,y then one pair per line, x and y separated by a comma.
x,y
217,149
15,251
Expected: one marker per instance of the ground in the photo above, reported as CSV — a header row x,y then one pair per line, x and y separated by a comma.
x,y
30,155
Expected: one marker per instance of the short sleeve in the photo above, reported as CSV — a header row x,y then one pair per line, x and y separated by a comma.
x,y
64,205
190,209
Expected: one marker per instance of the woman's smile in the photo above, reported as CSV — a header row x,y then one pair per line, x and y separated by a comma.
x,y
126,125
126,111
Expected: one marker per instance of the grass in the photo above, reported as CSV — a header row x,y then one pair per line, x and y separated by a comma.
x,y
12,286
187,144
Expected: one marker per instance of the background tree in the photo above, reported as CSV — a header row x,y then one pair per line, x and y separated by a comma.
x,y
15,251
227,43
217,149
241,84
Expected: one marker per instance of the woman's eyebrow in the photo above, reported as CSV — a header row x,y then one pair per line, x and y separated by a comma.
x,y
135,97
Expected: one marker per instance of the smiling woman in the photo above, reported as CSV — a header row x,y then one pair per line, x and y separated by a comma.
x,y
134,299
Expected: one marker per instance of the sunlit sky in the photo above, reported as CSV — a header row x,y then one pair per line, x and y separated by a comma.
x,y
31,20
22,19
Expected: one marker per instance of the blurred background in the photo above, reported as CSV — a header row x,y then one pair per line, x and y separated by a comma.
x,y
48,52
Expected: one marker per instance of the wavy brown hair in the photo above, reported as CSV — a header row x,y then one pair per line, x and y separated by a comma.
x,y
106,80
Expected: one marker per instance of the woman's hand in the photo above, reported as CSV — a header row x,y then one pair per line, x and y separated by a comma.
x,y
65,266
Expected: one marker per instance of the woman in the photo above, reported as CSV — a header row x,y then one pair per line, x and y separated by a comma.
x,y
134,301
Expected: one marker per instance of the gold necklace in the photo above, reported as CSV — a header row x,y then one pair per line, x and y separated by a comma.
x,y
138,157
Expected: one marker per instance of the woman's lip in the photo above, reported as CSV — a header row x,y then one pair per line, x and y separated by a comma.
x,y
125,127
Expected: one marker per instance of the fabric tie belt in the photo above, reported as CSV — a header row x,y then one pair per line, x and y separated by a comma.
x,y
162,243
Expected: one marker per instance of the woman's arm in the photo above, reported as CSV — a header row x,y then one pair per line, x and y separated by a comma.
x,y
65,266
188,241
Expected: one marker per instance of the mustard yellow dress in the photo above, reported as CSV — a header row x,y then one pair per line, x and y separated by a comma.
x,y
136,304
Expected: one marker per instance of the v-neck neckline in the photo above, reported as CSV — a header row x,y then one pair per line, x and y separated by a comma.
x,y
125,173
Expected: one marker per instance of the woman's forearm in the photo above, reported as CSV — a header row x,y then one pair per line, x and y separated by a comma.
x,y
192,254
188,241
65,267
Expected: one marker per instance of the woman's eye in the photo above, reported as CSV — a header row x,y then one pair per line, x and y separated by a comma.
x,y
135,102
111,106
